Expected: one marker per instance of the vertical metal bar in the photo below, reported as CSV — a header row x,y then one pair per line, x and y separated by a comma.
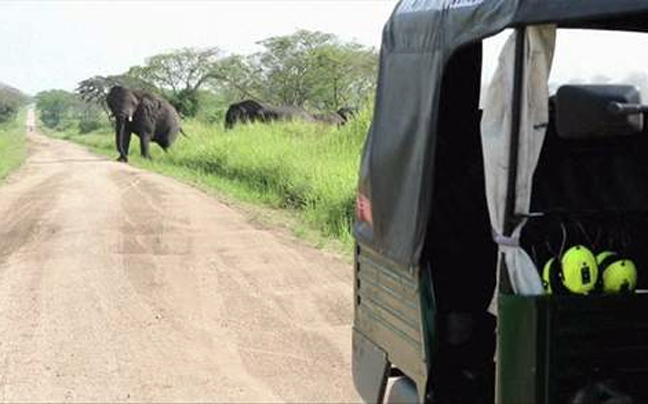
x,y
510,220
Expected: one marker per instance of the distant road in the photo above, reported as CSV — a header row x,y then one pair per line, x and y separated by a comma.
x,y
117,284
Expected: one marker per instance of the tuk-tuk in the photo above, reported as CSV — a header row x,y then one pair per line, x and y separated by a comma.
x,y
467,288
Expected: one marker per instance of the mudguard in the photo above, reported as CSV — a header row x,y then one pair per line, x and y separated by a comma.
x,y
370,368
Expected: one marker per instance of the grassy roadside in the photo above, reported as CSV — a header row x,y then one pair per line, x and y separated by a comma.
x,y
306,174
12,145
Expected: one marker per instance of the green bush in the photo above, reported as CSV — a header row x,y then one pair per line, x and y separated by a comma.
x,y
185,102
92,118
11,100
8,109
56,108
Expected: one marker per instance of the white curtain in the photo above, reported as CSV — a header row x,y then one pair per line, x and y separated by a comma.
x,y
496,136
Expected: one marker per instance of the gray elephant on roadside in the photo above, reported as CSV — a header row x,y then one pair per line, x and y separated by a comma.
x,y
150,117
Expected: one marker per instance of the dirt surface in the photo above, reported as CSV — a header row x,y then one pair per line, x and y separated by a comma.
x,y
117,284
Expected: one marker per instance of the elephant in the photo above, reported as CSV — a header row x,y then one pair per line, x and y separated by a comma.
x,y
149,116
339,117
253,111
244,111
286,113
331,118
347,113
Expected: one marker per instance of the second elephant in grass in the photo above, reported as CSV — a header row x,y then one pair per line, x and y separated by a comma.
x,y
252,111
147,115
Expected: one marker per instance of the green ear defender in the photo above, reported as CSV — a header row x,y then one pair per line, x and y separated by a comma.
x,y
576,271
619,274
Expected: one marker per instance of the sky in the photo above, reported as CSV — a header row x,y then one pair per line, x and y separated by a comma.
x,y
584,55
47,44
56,44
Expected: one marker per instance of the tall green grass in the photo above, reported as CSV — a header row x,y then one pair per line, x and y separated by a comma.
x,y
12,145
308,169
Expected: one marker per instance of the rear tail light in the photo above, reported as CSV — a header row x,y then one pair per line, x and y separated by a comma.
x,y
363,209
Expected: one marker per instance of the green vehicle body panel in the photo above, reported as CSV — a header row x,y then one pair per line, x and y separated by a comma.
x,y
551,346
389,313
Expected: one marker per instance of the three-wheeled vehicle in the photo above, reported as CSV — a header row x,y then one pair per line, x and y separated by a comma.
x,y
484,232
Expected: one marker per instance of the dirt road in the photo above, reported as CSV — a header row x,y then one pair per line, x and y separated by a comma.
x,y
117,284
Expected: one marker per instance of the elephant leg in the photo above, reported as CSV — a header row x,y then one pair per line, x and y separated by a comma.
x,y
145,142
118,143
126,143
122,140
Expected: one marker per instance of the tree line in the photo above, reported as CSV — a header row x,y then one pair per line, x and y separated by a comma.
x,y
11,100
60,109
312,70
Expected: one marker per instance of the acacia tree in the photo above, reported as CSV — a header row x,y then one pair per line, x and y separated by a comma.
x,y
95,89
237,77
183,69
315,69
287,64
180,74
346,75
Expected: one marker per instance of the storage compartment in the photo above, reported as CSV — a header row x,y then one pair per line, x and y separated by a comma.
x,y
551,347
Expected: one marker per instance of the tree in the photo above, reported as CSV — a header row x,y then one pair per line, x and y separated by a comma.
x,y
287,63
90,116
306,69
184,69
95,89
315,69
55,107
237,77
60,109
11,100
346,75
180,74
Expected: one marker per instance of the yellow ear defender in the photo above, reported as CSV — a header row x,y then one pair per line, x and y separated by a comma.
x,y
576,271
618,274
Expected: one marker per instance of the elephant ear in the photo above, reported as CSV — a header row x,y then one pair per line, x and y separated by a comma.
x,y
149,107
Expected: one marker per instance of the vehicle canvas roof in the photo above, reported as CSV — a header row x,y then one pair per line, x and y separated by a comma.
x,y
418,40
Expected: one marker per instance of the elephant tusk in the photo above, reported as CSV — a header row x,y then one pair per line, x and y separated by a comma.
x,y
130,118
